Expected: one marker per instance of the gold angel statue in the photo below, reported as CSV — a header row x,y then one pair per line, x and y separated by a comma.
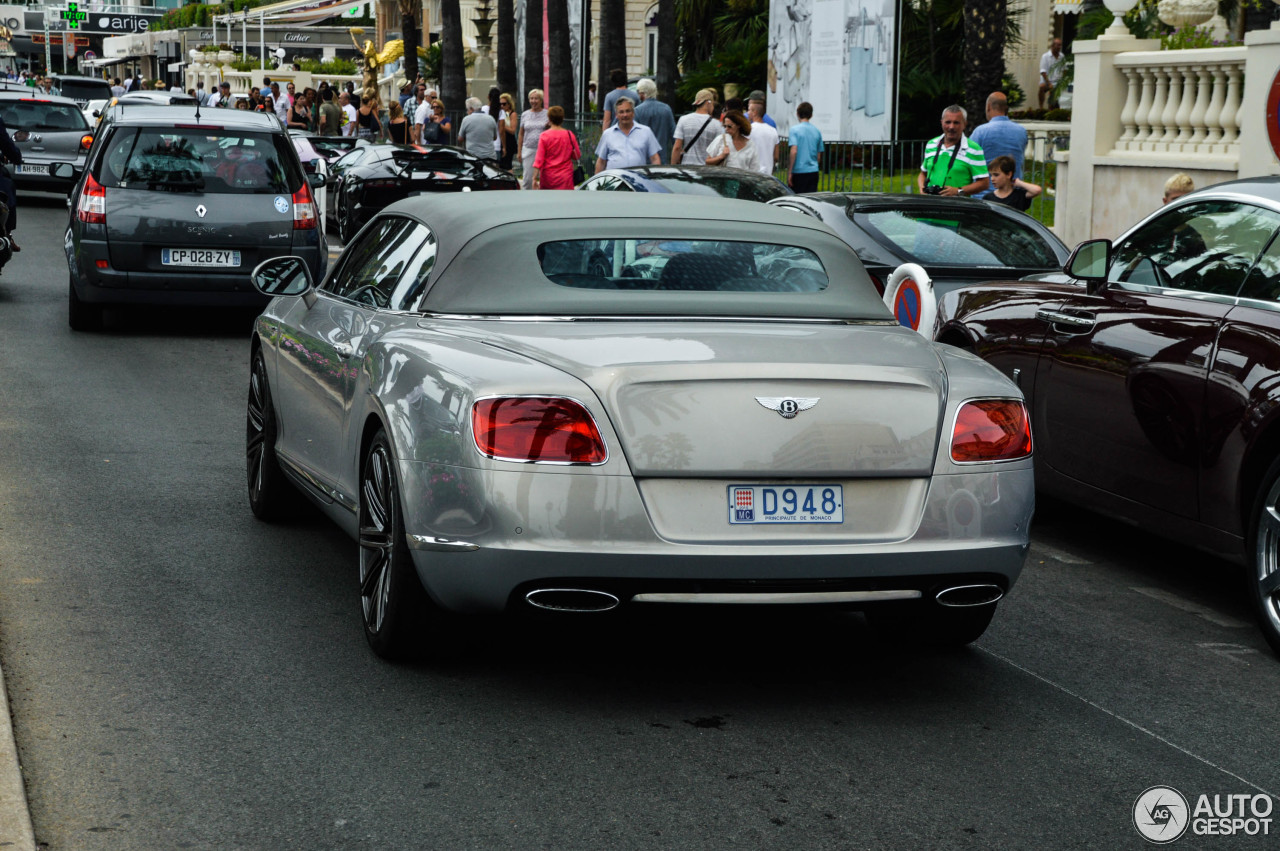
x,y
372,59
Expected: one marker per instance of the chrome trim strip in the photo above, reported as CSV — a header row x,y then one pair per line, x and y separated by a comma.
x,y
796,597
440,545
1057,317
479,317
585,407
1257,304
314,484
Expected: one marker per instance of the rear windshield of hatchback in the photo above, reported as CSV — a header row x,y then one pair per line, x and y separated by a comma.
x,y
42,115
184,159
83,89
682,264
961,237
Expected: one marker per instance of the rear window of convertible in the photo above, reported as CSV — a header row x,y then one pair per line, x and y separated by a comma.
x,y
182,159
682,264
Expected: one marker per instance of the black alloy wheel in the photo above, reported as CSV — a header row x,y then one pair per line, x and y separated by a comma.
x,y
81,315
270,494
395,606
1264,564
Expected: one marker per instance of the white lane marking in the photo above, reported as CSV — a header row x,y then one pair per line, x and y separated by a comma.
x,y
1122,719
1171,599
1059,555
1227,650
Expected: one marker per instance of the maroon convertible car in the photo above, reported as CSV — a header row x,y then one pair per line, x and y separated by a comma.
x,y
1152,370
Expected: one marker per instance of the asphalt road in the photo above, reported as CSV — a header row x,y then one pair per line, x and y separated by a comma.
x,y
184,676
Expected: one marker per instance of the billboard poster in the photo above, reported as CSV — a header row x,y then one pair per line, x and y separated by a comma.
x,y
839,55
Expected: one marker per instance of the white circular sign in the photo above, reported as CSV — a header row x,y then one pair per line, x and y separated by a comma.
x,y
1161,815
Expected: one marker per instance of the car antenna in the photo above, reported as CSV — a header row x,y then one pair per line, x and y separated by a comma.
x,y
197,108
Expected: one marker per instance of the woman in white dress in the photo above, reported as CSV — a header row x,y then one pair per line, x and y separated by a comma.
x,y
733,148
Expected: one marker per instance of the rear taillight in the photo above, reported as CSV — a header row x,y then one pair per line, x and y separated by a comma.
x,y
304,209
86,141
92,207
381,183
991,430
549,430
879,284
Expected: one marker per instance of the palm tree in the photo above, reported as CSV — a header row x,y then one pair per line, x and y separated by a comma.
x,y
409,10
613,39
453,71
532,45
507,50
985,23
561,56
667,68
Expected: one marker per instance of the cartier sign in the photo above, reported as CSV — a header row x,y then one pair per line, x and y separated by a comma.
x,y
296,37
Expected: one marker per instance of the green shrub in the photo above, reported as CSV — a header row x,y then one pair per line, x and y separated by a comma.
x,y
1057,115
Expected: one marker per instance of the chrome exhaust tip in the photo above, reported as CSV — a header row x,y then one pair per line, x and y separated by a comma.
x,y
571,600
969,595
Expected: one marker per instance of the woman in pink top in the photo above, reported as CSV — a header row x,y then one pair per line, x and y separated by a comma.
x,y
558,151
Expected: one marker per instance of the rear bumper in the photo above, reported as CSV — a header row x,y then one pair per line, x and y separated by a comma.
x,y
532,530
194,287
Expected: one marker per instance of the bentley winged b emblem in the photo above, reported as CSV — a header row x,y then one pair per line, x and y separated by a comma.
x,y
786,405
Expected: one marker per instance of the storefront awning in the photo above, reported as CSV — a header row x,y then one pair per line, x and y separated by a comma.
x,y
1068,7
291,11
108,60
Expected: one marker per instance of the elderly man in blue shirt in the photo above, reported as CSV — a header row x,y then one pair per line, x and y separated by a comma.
x,y
1000,136
627,143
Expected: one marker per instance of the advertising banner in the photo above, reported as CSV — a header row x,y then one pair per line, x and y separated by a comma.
x,y
839,56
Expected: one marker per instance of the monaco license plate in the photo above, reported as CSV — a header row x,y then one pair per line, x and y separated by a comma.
x,y
199,257
802,503
33,169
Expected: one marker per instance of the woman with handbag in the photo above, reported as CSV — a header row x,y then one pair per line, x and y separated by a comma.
x,y
554,166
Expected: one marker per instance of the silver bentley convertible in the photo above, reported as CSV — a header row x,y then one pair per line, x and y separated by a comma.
x,y
580,402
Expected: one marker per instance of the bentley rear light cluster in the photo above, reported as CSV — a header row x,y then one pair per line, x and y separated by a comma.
x,y
304,209
92,207
536,429
991,430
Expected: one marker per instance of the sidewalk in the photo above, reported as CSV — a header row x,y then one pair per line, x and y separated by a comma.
x,y
15,822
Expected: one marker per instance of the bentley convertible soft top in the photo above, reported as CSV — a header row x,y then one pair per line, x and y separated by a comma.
x,y
580,402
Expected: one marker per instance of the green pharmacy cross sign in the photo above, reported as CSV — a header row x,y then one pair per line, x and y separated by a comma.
x,y
73,16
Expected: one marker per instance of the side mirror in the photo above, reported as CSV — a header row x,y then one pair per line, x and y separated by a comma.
x,y
97,113
315,180
62,171
1090,262
284,276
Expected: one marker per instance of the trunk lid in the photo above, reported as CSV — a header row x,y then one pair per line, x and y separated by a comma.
x,y
703,399
141,223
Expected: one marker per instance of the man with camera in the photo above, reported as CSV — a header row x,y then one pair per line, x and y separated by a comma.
x,y
953,165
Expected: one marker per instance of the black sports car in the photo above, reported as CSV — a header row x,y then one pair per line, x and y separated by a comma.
x,y
375,176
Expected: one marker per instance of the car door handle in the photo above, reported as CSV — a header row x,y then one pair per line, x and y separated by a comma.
x,y
343,350
1069,321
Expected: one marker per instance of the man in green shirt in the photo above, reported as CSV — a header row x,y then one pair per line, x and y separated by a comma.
x,y
330,115
953,165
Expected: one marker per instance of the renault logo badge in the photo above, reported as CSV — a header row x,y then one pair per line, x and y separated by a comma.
x,y
200,211
787,406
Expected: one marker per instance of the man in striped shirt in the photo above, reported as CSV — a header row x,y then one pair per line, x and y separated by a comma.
x,y
953,165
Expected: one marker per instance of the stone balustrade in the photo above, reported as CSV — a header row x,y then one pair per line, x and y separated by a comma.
x,y
1184,102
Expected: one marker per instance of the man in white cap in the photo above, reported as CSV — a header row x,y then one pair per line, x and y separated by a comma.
x,y
695,131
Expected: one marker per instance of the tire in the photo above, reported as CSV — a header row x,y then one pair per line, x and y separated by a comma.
x,y
1264,561
271,497
931,624
81,315
394,605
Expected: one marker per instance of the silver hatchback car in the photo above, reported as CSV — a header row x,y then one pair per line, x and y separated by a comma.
x,y
56,131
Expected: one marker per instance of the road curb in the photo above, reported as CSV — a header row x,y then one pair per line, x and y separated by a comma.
x,y
15,820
